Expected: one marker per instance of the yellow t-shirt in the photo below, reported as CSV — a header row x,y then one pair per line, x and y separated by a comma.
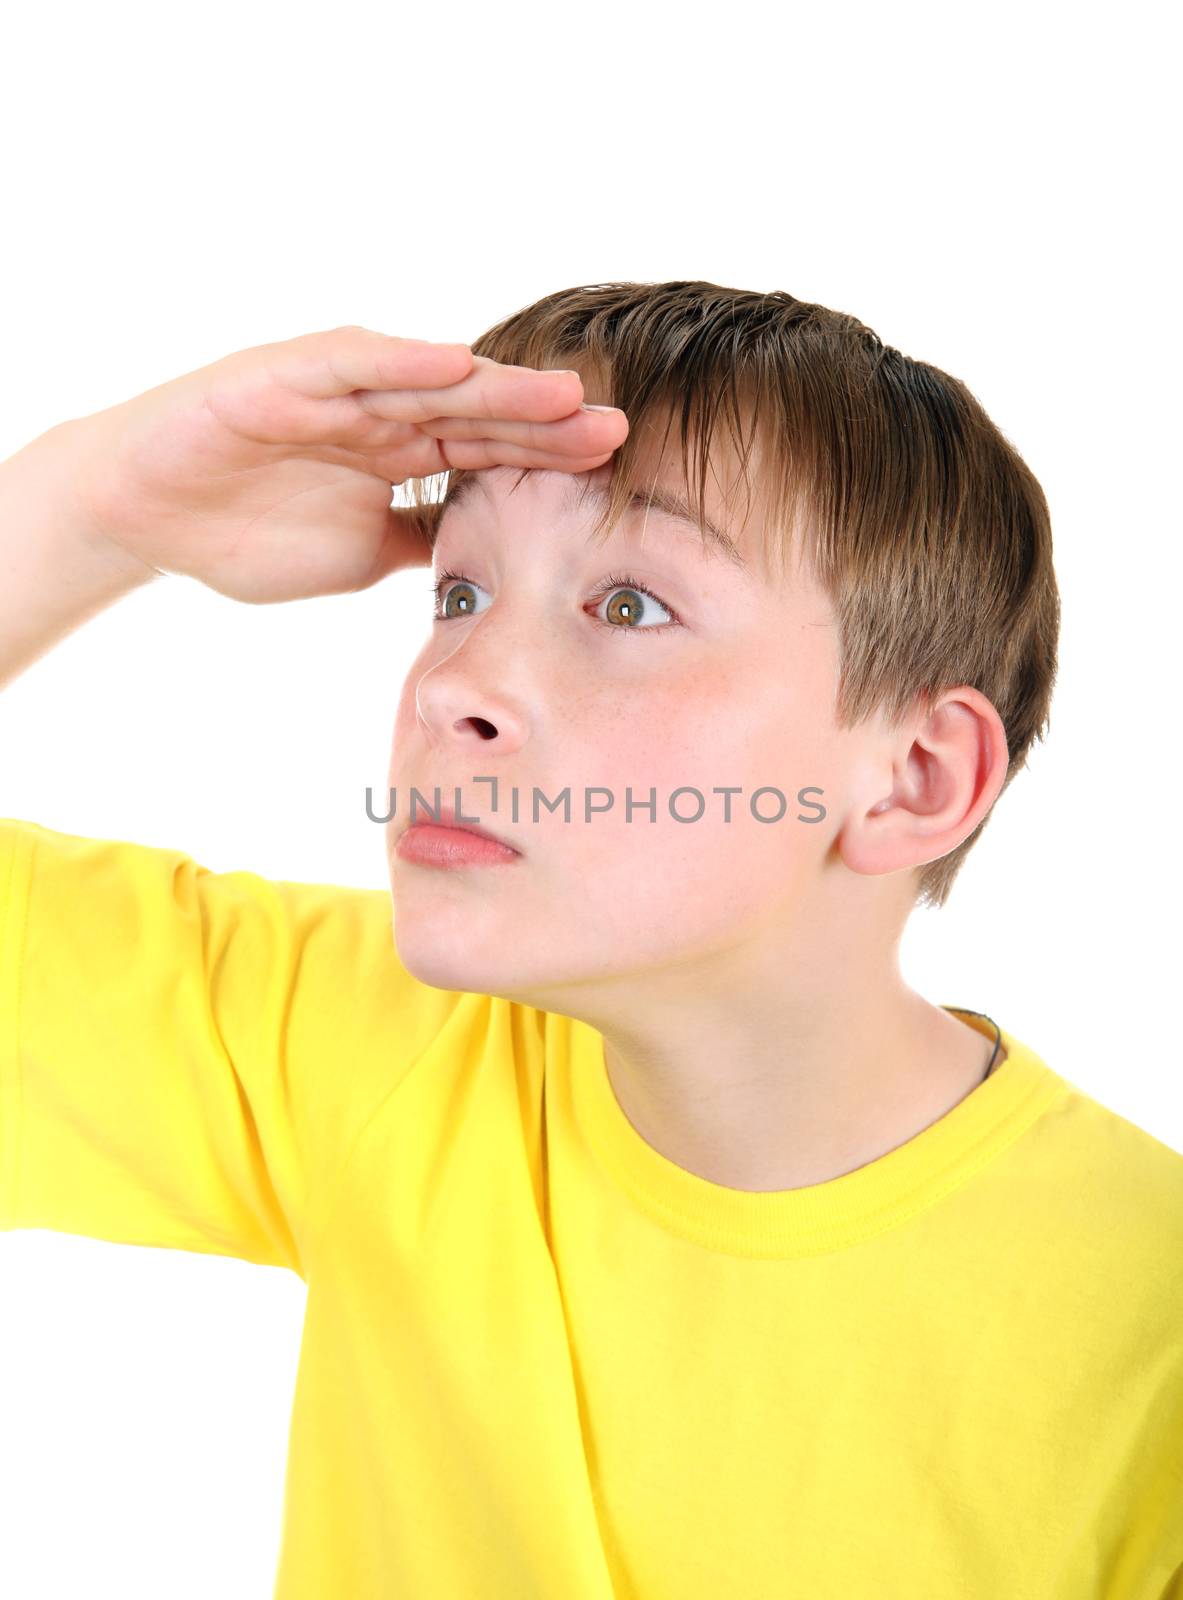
x,y
541,1360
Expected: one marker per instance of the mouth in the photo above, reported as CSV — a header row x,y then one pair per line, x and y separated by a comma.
x,y
448,842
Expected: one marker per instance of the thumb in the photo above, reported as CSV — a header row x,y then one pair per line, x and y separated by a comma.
x,y
408,540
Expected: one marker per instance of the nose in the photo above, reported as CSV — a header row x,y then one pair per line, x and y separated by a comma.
x,y
466,700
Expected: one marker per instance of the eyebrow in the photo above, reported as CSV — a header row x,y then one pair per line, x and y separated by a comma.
x,y
666,502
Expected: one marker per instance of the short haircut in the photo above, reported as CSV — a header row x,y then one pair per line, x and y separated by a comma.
x,y
918,516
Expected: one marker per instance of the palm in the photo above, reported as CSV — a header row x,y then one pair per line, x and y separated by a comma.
x,y
268,475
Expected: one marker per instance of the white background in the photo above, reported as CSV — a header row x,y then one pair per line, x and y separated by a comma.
x,y
990,189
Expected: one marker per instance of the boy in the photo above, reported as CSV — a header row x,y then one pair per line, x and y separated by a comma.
x,y
659,1241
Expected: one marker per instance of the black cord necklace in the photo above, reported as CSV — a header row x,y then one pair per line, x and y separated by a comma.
x,y
997,1035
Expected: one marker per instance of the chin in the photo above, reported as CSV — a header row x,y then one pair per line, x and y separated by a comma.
x,y
449,958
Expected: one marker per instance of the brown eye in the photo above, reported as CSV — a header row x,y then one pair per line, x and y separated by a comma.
x,y
626,606
632,608
459,600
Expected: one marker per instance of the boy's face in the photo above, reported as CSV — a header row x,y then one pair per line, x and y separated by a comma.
x,y
549,676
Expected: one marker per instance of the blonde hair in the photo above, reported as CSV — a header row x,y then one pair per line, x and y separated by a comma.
x,y
920,519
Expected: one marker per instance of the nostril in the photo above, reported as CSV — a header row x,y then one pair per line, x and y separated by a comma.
x,y
484,728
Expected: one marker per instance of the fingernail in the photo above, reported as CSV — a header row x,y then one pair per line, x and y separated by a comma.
x,y
585,406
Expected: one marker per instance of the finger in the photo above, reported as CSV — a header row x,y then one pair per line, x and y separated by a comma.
x,y
493,389
580,432
339,360
408,541
475,454
427,457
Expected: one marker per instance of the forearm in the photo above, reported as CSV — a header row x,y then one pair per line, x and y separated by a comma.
x,y
55,572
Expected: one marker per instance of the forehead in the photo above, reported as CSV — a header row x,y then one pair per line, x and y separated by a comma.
x,y
667,501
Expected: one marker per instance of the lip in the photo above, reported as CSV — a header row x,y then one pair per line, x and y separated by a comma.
x,y
429,845
447,820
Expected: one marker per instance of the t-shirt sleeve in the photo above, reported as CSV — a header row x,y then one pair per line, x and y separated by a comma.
x,y
186,1056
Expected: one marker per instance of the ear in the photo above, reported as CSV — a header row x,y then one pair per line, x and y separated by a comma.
x,y
935,782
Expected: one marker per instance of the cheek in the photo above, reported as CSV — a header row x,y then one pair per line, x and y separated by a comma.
x,y
710,730
647,890
654,878
684,735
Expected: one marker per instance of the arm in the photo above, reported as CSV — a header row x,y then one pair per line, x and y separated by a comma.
x,y
55,573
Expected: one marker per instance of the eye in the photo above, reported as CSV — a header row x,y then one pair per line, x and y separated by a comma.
x,y
629,606
457,597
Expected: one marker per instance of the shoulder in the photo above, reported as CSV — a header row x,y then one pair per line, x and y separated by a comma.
x,y
1126,1158
1123,1190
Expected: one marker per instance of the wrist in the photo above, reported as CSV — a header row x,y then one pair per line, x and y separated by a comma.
x,y
39,499
56,568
